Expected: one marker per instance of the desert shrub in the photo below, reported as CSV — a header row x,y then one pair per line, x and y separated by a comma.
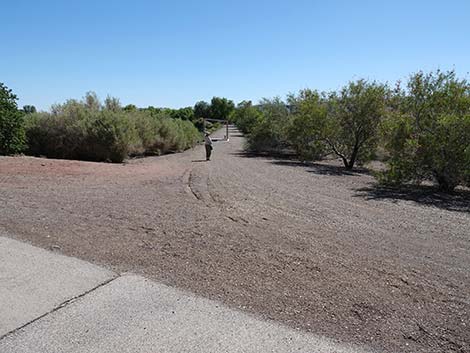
x,y
212,126
428,136
344,123
269,133
352,127
161,133
12,134
79,133
306,125
53,136
109,136
246,116
147,126
89,131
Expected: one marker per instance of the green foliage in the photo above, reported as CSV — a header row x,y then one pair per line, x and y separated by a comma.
x,y
183,113
29,109
174,135
353,121
423,131
307,124
313,125
113,104
269,134
246,117
202,110
428,135
88,130
221,108
130,108
212,126
12,135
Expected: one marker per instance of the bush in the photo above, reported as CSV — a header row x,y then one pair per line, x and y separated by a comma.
x,y
428,137
345,124
269,132
88,131
353,121
85,135
246,117
306,125
12,134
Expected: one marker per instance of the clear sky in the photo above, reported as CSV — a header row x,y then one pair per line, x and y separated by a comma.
x,y
174,53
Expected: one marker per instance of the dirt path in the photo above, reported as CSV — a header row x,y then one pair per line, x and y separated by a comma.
x,y
309,246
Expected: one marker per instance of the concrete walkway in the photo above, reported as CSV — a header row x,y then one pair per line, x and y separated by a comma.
x,y
53,303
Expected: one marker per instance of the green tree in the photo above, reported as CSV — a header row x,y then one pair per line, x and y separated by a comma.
x,y
202,110
246,116
269,134
92,102
12,134
112,103
354,115
130,108
428,135
183,113
221,108
29,109
307,124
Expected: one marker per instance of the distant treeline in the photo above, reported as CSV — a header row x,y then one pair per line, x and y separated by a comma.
x,y
89,129
421,130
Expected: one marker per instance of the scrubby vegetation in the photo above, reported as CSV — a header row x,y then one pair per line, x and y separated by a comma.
x,y
12,134
89,130
422,131
428,132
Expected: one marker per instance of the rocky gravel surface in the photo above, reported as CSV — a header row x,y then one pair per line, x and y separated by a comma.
x,y
308,245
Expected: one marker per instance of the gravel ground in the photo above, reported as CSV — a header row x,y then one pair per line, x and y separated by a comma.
x,y
311,246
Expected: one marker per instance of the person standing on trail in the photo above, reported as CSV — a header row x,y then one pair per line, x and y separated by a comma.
x,y
208,144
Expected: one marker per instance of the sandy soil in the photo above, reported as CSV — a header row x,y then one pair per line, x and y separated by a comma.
x,y
307,245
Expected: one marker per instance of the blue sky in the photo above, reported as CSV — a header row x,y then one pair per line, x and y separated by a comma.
x,y
174,53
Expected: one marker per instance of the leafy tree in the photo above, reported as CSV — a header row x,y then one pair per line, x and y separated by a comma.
x,y
92,102
354,116
112,103
246,116
428,135
202,110
221,108
308,121
12,135
29,109
183,113
130,108
269,134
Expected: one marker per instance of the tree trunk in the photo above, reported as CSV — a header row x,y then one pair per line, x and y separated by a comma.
x,y
350,165
446,183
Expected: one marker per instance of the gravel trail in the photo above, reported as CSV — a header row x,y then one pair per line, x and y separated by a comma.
x,y
310,246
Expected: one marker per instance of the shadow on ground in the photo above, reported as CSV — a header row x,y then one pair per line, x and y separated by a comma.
x,y
426,195
289,160
458,201
323,169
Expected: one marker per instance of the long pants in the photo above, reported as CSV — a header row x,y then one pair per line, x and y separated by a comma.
x,y
208,152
